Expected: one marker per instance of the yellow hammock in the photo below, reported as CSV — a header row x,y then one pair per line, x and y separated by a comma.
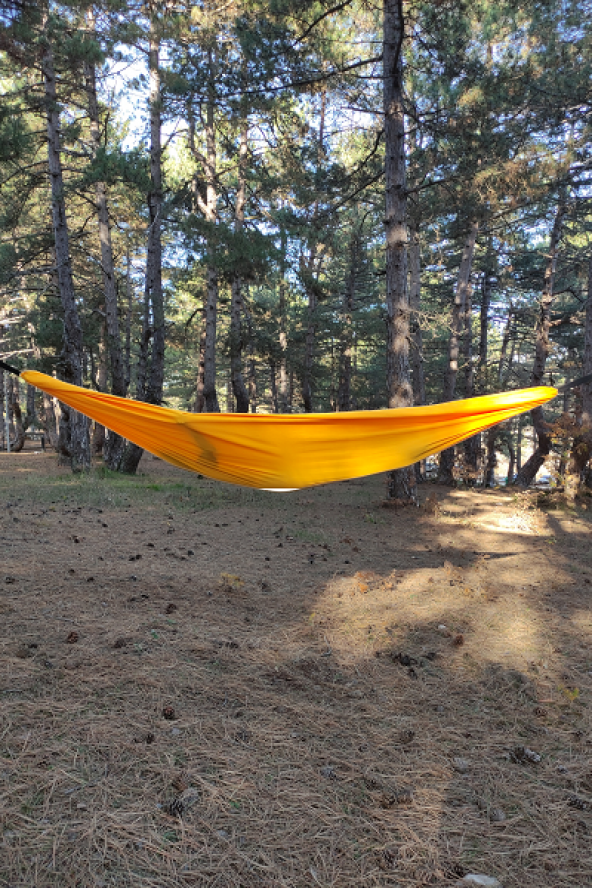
x,y
288,452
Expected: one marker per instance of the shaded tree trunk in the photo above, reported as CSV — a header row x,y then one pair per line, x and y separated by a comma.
x,y
18,442
150,384
401,484
283,334
445,473
274,390
200,402
98,432
346,329
471,445
236,302
74,435
528,472
115,444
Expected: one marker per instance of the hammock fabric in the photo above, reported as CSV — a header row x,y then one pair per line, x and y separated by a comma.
x,y
274,452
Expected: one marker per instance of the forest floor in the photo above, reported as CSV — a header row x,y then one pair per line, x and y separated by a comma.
x,y
210,686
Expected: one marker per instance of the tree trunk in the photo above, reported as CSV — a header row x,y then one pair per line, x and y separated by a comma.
x,y
346,329
309,347
114,449
200,403
236,303
127,366
528,472
18,442
490,458
252,367
582,445
98,432
274,391
471,445
283,336
417,368
31,416
75,442
150,383
463,287
401,483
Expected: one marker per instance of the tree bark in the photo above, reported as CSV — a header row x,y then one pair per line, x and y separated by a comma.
x,y
283,335
273,384
18,442
114,449
528,472
200,403
150,383
471,445
236,302
463,286
252,367
346,328
75,441
401,484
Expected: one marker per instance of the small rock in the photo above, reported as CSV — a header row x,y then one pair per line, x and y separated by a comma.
x,y
460,765
476,880
169,713
497,815
522,755
328,772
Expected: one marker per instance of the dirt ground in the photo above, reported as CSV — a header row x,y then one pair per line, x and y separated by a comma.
x,y
209,686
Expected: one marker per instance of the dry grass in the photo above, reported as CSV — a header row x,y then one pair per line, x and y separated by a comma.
x,y
291,690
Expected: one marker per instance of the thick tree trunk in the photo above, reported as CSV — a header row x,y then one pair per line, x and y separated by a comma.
x,y
75,441
346,329
236,302
463,287
150,383
114,449
401,483
528,472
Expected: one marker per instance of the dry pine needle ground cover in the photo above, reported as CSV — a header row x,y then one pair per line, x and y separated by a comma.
x,y
208,686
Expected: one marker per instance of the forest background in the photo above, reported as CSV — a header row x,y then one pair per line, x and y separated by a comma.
x,y
300,206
